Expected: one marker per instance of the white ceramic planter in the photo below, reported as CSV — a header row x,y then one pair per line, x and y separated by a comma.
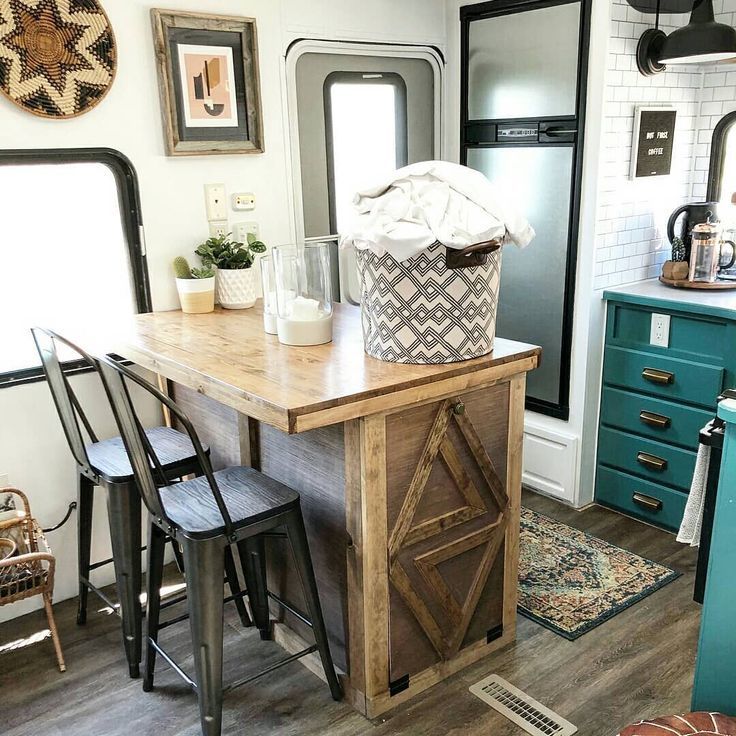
x,y
236,288
197,296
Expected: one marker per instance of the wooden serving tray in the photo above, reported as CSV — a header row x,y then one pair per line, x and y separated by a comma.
x,y
702,285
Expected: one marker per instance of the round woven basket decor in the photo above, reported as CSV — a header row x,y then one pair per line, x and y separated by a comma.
x,y
57,57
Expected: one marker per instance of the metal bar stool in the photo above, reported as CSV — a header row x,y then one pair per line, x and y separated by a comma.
x,y
236,505
104,463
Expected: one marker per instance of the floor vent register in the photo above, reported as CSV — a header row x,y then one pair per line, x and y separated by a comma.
x,y
519,708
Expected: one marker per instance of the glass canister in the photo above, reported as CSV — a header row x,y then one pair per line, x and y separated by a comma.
x,y
705,252
303,293
270,307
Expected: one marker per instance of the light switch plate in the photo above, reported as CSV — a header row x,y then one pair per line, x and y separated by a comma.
x,y
4,480
659,334
215,202
244,201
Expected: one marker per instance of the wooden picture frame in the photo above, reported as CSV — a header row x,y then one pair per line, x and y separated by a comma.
x,y
208,83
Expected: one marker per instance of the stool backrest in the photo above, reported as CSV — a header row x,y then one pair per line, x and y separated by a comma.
x,y
67,405
146,466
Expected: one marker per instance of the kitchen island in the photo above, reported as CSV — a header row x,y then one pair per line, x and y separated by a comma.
x,y
410,479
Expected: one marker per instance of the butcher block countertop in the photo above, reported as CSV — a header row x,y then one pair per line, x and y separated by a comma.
x,y
227,356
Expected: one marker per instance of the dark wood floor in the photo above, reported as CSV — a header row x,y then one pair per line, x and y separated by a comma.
x,y
637,665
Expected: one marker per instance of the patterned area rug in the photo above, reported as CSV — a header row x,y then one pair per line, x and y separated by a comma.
x,y
570,582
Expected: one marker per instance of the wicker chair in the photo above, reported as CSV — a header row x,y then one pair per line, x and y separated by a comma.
x,y
26,563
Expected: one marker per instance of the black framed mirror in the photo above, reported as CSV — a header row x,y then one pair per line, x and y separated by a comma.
x,y
722,169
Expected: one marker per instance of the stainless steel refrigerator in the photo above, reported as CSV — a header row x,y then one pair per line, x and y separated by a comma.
x,y
523,103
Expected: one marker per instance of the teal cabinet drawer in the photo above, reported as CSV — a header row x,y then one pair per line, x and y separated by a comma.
x,y
699,337
640,498
661,420
650,459
669,378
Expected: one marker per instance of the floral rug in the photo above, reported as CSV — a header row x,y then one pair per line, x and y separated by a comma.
x,y
570,582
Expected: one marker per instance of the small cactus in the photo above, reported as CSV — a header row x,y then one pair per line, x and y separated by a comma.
x,y
181,268
678,250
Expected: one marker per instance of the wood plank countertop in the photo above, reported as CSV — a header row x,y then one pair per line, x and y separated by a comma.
x,y
226,355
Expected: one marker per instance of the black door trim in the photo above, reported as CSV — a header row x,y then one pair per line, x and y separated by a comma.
x,y
131,219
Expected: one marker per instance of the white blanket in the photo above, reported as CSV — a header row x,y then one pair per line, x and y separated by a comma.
x,y
433,201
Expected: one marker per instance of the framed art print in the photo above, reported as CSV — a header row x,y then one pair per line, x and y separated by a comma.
x,y
208,80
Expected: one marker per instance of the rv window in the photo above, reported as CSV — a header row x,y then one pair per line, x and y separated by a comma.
x,y
66,257
366,131
722,176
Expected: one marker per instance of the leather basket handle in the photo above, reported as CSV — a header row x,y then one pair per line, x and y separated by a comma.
x,y
474,255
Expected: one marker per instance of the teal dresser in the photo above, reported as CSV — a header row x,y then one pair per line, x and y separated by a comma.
x,y
656,399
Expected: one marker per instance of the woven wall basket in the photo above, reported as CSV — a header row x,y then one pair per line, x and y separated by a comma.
x,y
57,57
419,311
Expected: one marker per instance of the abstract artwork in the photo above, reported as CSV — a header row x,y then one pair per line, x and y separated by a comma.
x,y
208,81
57,57
208,78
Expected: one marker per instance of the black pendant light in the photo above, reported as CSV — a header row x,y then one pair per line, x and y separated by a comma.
x,y
701,41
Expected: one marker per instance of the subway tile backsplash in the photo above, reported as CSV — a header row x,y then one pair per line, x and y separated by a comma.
x,y
631,240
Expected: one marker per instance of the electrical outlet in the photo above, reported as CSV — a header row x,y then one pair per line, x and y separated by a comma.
x,y
241,230
4,480
660,330
215,202
244,201
218,228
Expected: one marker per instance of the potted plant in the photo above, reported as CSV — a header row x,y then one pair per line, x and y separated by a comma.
x,y
196,287
236,284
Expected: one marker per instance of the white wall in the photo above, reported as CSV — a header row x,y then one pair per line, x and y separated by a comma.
x,y
32,448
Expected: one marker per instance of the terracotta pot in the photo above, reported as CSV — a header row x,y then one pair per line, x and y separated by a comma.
x,y
197,296
236,288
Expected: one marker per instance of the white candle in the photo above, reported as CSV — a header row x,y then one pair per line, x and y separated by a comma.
x,y
305,332
305,310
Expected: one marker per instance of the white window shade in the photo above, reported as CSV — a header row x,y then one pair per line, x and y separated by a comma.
x,y
366,139
66,259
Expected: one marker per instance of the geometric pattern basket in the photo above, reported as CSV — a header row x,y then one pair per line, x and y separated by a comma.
x,y
419,311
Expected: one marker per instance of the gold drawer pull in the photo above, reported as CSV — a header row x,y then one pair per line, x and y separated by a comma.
x,y
651,461
655,420
657,376
649,503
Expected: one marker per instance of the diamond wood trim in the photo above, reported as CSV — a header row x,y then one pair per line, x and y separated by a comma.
x,y
484,462
457,615
460,616
400,580
419,481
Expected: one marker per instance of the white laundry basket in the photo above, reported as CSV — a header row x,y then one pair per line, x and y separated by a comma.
x,y
433,308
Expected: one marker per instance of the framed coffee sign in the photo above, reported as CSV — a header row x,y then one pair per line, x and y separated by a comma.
x,y
654,134
208,82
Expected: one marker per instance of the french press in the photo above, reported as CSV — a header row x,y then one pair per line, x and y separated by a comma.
x,y
706,252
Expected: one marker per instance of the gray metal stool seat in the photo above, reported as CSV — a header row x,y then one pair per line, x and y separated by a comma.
x,y
105,463
236,505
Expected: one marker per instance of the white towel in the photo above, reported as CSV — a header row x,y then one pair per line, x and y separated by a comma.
x,y
421,204
692,520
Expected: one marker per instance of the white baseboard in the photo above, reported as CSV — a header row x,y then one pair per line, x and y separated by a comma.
x,y
550,462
